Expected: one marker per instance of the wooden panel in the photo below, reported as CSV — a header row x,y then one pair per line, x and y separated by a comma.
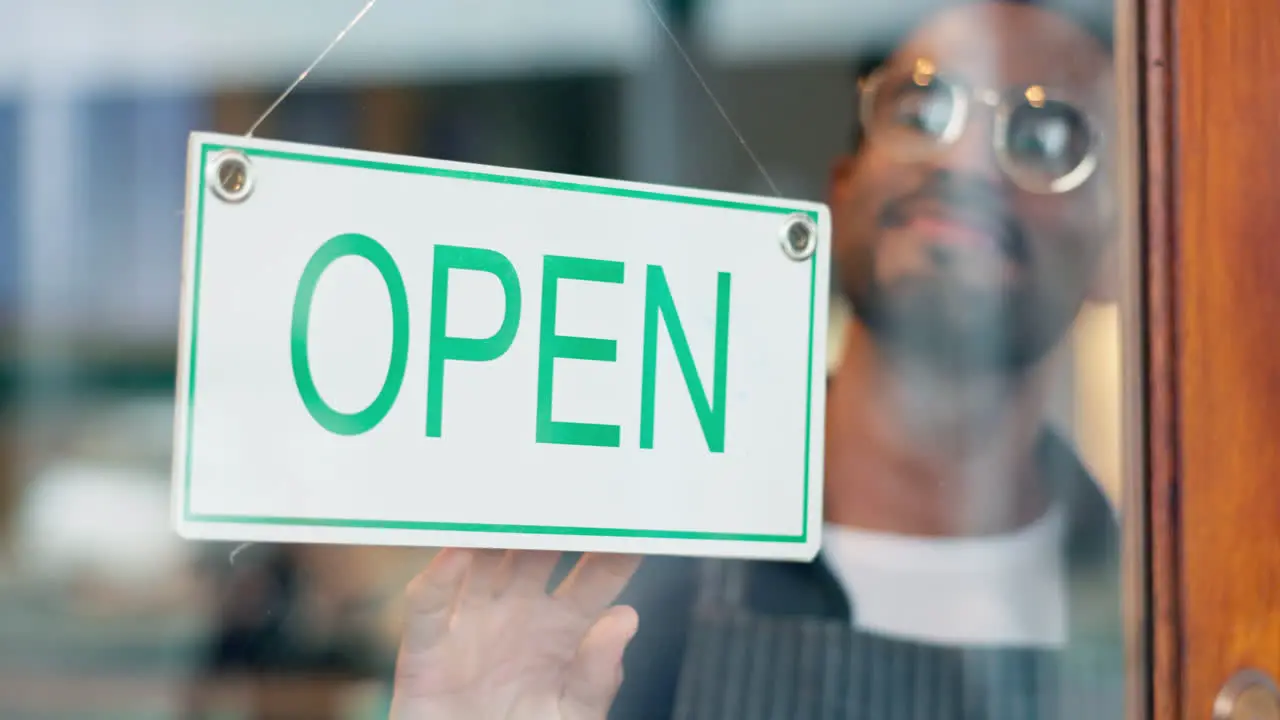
x,y
1213,359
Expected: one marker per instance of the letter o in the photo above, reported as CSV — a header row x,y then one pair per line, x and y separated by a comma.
x,y
336,248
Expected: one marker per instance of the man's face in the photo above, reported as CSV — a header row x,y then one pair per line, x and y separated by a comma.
x,y
959,252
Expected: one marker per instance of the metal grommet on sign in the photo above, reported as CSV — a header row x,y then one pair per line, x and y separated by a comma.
x,y
1248,695
231,176
799,237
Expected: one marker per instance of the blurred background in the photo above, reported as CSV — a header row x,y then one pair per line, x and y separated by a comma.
x,y
104,612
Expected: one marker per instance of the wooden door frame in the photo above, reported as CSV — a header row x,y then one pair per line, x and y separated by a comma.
x,y
1154,651
1209,190
1158,656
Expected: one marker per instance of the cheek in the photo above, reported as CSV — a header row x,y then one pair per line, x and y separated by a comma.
x,y
1064,270
1069,236
1081,222
858,201
1103,206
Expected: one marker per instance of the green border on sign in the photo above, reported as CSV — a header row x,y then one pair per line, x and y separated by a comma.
x,y
477,176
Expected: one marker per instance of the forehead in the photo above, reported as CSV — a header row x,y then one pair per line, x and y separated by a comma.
x,y
1002,44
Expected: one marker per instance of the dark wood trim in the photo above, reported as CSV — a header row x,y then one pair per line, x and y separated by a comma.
x,y
1212,294
1159,246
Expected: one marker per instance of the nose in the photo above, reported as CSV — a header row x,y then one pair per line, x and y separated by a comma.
x,y
973,152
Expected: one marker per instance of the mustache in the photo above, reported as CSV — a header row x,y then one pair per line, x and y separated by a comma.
x,y
967,198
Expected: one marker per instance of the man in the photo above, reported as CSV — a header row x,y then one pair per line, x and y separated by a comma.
x,y
969,565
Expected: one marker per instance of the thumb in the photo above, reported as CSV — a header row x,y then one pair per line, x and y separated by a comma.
x,y
595,674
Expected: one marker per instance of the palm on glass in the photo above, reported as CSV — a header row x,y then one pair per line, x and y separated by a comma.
x,y
485,640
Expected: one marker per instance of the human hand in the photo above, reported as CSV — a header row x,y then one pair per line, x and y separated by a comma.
x,y
485,640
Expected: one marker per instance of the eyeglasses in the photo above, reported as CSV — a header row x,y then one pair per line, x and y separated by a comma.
x,y
1044,144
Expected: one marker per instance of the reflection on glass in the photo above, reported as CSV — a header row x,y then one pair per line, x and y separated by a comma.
x,y
970,559
970,566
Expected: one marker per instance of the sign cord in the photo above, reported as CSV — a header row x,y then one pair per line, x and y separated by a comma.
x,y
657,15
303,76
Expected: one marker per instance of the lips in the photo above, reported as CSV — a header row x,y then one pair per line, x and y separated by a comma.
x,y
961,228
957,233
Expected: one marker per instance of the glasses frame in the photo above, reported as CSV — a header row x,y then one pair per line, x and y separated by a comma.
x,y
1002,104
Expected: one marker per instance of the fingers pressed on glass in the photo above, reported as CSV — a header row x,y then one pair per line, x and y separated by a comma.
x,y
484,577
431,598
595,673
597,581
526,572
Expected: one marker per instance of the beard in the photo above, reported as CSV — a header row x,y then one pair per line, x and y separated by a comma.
x,y
937,319
950,328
